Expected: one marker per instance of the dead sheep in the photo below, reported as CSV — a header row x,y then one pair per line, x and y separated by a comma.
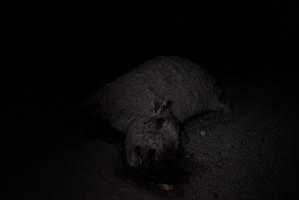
x,y
149,102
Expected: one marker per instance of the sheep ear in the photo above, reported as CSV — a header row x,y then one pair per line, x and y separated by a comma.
x,y
156,105
160,107
166,104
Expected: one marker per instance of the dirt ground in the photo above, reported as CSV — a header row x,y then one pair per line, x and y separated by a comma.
x,y
246,154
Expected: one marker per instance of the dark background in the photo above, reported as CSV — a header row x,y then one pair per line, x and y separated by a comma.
x,y
70,49
57,55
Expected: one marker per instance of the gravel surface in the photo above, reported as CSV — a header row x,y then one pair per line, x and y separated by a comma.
x,y
246,154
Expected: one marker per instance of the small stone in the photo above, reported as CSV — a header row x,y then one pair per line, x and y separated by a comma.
x,y
165,187
203,132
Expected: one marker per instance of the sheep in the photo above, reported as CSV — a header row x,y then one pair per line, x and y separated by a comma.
x,y
149,103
